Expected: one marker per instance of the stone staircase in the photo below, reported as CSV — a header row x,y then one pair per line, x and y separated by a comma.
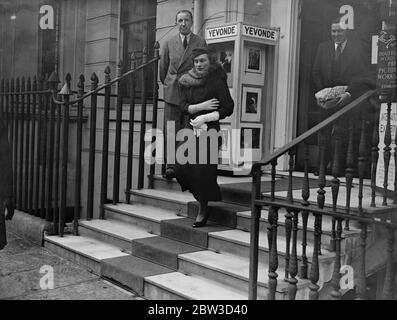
x,y
149,247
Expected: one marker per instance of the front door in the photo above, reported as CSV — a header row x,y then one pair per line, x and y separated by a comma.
x,y
316,18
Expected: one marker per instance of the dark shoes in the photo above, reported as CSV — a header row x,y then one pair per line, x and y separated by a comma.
x,y
169,174
201,220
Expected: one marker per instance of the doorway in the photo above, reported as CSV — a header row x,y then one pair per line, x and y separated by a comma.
x,y
316,18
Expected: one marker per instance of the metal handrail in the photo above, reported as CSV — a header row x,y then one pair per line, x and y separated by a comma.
x,y
117,79
333,118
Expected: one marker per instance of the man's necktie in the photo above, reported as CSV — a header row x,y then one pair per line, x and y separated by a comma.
x,y
185,42
338,51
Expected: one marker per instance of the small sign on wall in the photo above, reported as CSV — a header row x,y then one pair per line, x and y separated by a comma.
x,y
387,69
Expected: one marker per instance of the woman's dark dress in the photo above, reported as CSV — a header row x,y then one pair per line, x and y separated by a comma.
x,y
201,179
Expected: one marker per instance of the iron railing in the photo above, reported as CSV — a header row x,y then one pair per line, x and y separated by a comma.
x,y
302,208
39,118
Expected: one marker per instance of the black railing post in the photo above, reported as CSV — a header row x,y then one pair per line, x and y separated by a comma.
x,y
361,283
141,170
374,155
117,142
58,124
21,144
91,156
155,107
254,236
389,283
105,145
305,213
336,294
44,136
349,171
32,147
8,110
77,195
272,238
130,156
53,83
336,169
38,149
27,144
65,149
12,136
16,142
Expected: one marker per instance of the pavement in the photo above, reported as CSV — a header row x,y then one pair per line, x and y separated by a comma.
x,y
30,272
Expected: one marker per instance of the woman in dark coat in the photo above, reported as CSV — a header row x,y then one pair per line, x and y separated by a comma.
x,y
207,100
6,198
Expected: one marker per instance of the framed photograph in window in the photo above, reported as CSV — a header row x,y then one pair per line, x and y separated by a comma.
x,y
225,58
254,60
251,104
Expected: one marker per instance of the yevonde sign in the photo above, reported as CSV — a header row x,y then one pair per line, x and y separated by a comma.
x,y
234,30
212,33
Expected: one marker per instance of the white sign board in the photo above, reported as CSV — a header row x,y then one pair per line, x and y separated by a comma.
x,y
260,33
380,173
221,32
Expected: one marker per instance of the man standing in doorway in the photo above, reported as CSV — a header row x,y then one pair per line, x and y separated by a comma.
x,y
175,61
340,62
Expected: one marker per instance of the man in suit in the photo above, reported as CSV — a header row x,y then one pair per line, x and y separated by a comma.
x,y
176,60
6,186
340,62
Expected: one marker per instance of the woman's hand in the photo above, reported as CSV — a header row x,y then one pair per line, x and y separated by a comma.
x,y
211,104
198,121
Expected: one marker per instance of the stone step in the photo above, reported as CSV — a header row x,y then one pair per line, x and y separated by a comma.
x,y
234,271
160,250
168,200
87,252
237,242
182,230
221,213
130,272
116,233
177,286
147,217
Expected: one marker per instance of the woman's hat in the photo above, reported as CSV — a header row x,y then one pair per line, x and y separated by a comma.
x,y
199,51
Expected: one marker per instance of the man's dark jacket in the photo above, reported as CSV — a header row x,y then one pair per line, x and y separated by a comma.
x,y
352,72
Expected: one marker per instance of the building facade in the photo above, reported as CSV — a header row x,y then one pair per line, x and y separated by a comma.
x,y
82,37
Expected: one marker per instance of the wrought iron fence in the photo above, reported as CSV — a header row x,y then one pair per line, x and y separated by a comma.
x,y
302,208
39,118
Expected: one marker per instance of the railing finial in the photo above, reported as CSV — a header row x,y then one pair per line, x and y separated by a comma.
x,y
94,78
80,85
120,68
144,55
107,74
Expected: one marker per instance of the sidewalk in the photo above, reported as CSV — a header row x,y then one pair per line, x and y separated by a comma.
x,y
20,277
